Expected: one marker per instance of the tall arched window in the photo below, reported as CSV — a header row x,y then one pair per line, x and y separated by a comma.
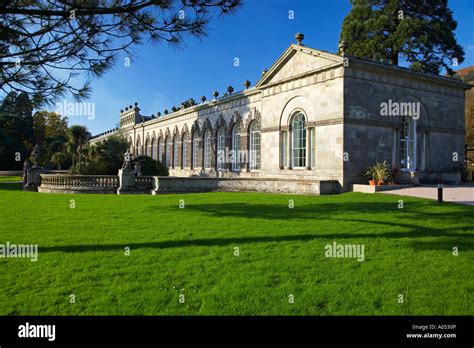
x,y
254,146
175,150
184,151
160,150
298,141
130,146
139,147
168,151
152,149
407,144
236,147
220,148
195,149
147,142
207,149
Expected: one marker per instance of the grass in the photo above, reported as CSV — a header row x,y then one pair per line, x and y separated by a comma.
x,y
9,179
190,251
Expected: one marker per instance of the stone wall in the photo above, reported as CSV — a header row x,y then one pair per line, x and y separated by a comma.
x,y
207,184
370,137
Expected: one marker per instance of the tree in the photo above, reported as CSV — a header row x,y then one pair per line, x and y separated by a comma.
x,y
41,40
16,130
79,136
58,158
104,157
420,32
49,124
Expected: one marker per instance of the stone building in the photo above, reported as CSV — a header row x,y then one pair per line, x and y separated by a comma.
x,y
313,116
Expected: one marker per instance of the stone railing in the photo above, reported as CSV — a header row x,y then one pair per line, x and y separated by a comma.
x,y
59,183
146,181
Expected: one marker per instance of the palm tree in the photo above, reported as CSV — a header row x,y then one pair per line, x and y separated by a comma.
x,y
58,158
79,136
71,148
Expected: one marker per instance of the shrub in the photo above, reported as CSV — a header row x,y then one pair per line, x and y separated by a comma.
x,y
149,166
89,168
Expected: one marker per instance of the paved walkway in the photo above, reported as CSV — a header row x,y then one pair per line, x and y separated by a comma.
x,y
456,194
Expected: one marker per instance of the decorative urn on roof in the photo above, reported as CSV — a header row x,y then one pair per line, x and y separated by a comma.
x,y
299,37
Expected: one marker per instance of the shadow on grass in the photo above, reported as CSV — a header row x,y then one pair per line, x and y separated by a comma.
x,y
377,212
211,242
10,186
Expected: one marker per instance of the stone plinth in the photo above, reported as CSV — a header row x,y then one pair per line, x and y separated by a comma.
x,y
377,188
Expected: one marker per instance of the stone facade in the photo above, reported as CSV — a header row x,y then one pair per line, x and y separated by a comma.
x,y
312,116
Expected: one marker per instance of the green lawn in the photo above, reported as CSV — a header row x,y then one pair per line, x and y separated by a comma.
x,y
190,251
9,178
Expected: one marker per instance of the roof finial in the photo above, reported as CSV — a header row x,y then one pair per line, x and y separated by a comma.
x,y
299,37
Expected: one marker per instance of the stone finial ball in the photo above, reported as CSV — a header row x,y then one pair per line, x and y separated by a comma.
x,y
299,37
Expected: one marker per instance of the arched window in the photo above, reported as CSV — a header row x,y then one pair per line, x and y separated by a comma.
x,y
152,149
207,149
254,146
236,147
168,151
407,144
195,149
130,146
175,150
184,151
298,141
220,148
160,150
139,148
147,142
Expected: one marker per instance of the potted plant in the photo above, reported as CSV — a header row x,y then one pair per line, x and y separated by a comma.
x,y
393,174
378,172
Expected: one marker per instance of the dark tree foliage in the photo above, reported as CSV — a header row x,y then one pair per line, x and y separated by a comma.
x,y
149,166
41,41
16,130
421,32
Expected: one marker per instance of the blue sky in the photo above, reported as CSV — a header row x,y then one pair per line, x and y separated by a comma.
x,y
160,77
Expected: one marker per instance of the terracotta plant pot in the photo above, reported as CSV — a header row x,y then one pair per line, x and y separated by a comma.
x,y
372,182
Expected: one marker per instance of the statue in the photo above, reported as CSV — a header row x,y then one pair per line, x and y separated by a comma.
x,y
26,168
127,163
138,169
35,154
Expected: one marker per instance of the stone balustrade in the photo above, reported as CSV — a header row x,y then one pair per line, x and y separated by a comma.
x,y
58,183
144,181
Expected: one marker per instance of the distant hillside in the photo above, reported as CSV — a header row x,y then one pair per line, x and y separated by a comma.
x,y
467,75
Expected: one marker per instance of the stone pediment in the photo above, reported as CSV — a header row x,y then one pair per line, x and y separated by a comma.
x,y
298,60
